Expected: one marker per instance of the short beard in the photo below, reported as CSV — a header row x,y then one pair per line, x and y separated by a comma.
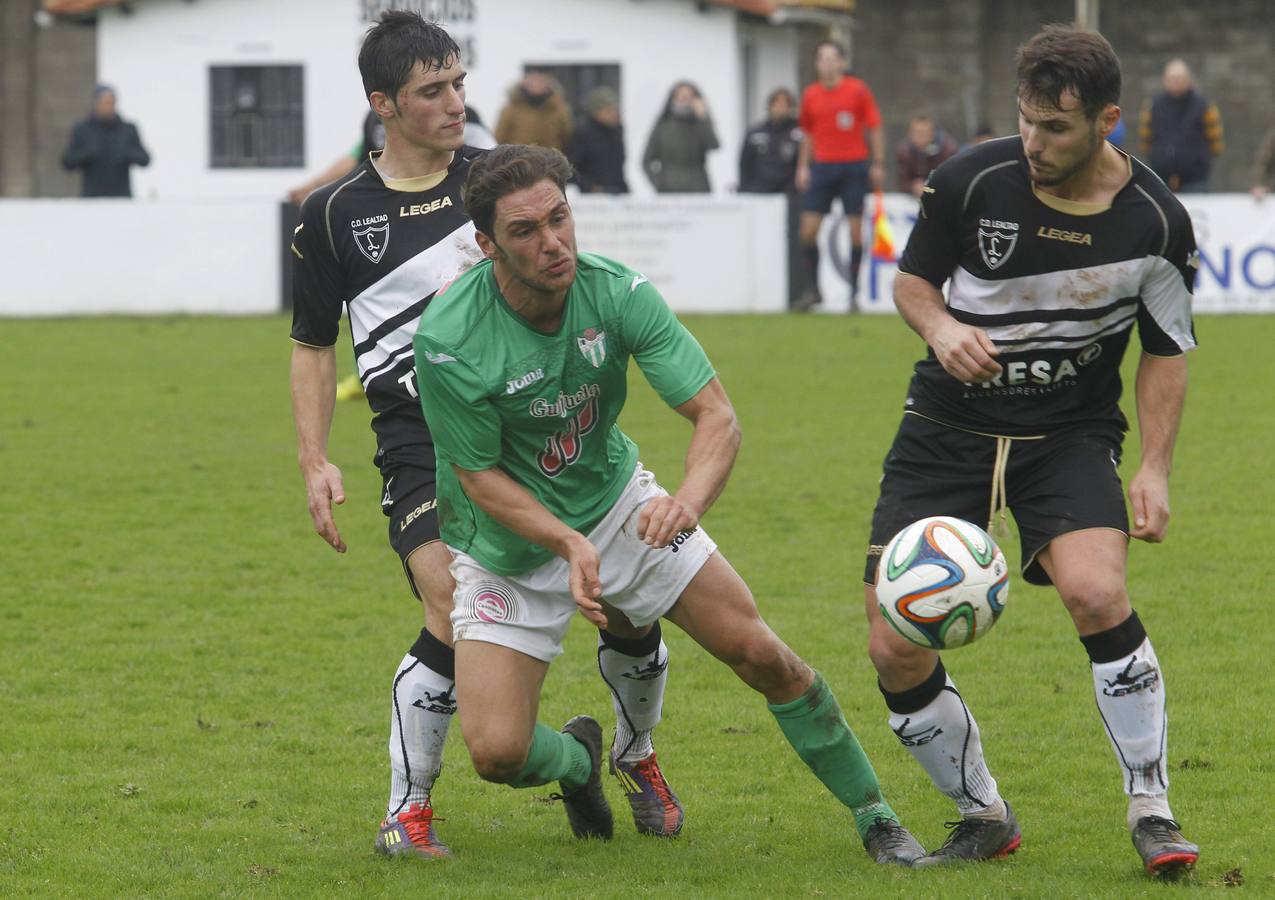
x,y
1094,149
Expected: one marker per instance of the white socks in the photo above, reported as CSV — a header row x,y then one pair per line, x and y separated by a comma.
x,y
943,737
422,710
637,693
1130,695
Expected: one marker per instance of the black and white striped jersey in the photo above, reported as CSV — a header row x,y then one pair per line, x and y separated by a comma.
x,y
1057,285
382,252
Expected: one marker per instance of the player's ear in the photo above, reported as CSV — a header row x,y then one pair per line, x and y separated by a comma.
x,y
382,105
1108,119
487,245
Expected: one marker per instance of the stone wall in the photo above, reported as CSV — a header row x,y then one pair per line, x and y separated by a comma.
x,y
46,80
955,59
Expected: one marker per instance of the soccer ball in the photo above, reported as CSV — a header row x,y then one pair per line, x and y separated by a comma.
x,y
942,582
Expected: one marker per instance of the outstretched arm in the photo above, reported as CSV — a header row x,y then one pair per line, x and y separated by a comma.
x,y
1161,393
313,382
709,460
513,506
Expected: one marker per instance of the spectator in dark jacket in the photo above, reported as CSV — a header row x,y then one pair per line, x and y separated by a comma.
x,y
597,147
768,159
104,146
921,152
1181,132
677,150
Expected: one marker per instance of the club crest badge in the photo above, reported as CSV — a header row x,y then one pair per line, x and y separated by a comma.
x,y
372,236
996,240
593,344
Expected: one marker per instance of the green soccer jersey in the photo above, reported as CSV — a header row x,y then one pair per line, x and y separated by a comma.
x,y
543,407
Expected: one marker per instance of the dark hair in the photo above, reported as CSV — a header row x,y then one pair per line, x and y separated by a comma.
x,y
780,92
505,170
395,44
1061,58
841,51
668,101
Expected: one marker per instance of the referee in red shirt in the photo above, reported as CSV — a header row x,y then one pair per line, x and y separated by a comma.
x,y
839,118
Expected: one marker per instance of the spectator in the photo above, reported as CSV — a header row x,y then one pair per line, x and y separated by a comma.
x,y
982,134
920,153
841,123
1181,132
597,147
678,147
1264,167
104,146
535,114
768,159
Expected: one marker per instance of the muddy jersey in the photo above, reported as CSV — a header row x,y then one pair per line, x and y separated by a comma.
x,y
382,252
543,407
1057,285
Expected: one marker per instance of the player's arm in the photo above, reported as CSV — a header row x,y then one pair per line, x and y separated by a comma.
x,y
709,460
931,256
1160,395
965,352
1166,334
317,287
516,508
876,172
313,382
339,167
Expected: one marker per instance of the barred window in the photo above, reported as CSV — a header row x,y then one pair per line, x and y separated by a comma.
x,y
258,116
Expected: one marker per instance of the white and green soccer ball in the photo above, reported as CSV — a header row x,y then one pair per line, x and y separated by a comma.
x,y
942,582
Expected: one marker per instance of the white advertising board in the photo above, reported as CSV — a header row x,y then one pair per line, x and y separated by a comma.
x,y
1235,234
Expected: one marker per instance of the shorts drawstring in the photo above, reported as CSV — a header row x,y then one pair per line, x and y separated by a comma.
x,y
1000,500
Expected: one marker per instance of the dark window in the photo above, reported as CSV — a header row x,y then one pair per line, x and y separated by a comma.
x,y
258,116
578,81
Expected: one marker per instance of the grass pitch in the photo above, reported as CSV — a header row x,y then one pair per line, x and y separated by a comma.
x,y
195,689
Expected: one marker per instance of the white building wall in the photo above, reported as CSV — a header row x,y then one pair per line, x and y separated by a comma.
x,y
158,58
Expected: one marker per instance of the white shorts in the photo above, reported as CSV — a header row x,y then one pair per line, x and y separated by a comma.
x,y
531,612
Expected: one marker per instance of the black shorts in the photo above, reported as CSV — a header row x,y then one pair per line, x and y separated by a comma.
x,y
410,501
1064,482
847,182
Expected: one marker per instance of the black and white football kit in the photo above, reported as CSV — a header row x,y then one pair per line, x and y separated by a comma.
x,y
1058,287
383,250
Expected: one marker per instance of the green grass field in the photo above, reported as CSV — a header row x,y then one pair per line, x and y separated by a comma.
x,y
194,689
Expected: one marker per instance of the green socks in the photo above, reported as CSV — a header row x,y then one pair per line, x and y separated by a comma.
x,y
555,756
817,730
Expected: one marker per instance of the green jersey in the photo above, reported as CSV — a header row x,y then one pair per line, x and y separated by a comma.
x,y
543,407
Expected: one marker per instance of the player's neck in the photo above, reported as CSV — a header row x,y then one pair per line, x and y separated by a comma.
x,y
1097,182
831,83
401,159
541,309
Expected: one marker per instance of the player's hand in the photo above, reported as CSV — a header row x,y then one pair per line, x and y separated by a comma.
x,y
876,176
663,519
586,586
298,194
323,488
701,111
1259,192
802,180
965,352
1149,495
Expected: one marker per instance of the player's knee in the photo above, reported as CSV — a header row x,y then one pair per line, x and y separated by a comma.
x,y
765,663
1096,603
893,656
497,760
